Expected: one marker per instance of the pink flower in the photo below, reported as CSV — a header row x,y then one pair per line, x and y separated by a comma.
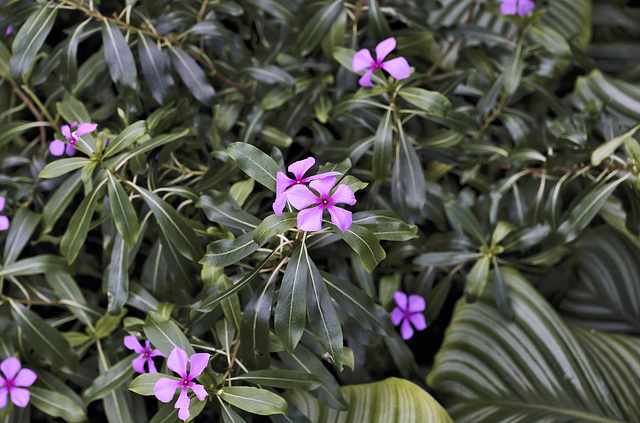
x,y
408,312
521,7
165,388
13,382
398,67
4,220
58,147
146,353
310,219
283,182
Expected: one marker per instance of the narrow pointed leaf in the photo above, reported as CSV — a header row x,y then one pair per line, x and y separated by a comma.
x,y
119,58
225,252
291,307
63,166
255,163
192,76
254,400
156,69
124,215
55,404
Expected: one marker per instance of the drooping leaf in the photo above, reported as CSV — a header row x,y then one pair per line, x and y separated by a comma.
x,y
116,376
64,166
118,276
192,75
254,341
23,224
382,148
318,26
124,215
156,67
119,58
291,307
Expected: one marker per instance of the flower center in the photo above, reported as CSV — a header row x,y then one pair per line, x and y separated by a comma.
x,y
325,202
147,354
74,138
377,65
9,384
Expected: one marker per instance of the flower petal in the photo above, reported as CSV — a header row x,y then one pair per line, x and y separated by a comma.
x,y
340,217
66,131
2,200
310,219
25,377
365,81
138,364
156,352
85,128
321,176
401,299
278,205
384,48
152,366
282,183
165,388
57,147
131,342
198,363
20,397
183,399
4,223
406,330
343,194
4,393
323,186
177,362
525,7
10,367
418,321
183,413
396,316
416,303
362,60
301,197
398,68
300,167
508,7
199,390
70,150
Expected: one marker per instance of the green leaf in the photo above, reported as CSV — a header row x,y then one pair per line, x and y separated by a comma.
x,y
226,252
78,227
604,151
108,323
68,290
501,291
274,225
165,335
173,225
148,144
128,136
513,70
408,176
569,373
386,225
42,264
254,333
364,243
382,148
289,320
47,341
344,56
63,166
255,163
69,61
254,400
462,216
119,58
431,102
23,224
228,415
287,379
318,26
124,215
478,277
118,276
29,39
447,258
192,76
390,400
270,75
272,99
613,95
56,404
323,319
144,383
156,69
377,22
13,129
552,40
241,190
58,202
116,376
225,211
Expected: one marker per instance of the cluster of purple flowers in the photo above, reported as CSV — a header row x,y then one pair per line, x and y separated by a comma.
x,y
71,133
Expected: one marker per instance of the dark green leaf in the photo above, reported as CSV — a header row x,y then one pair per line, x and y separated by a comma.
x,y
36,265
23,224
254,400
255,163
513,71
128,136
118,276
116,376
608,148
478,277
382,148
68,290
377,22
124,215
289,320
288,379
274,225
144,383
408,175
254,341
192,76
165,335
365,244
318,26
59,201
431,102
156,68
462,216
225,252
63,166
55,404
119,58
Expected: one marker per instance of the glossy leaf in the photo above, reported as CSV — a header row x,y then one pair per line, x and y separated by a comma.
x,y
254,400
288,379
291,307
128,136
118,276
23,224
59,201
274,225
119,58
55,404
35,265
254,341
63,166
143,384
431,102
255,163
124,215
609,147
192,76
165,335
382,148
408,176
112,379
319,24
365,244
225,252
156,69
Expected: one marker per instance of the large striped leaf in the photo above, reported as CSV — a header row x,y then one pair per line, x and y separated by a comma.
x,y
390,400
617,97
534,368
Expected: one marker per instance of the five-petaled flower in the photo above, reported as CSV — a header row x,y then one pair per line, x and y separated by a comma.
x,y
310,219
520,7
14,381
283,182
4,220
408,312
398,67
58,147
165,388
146,353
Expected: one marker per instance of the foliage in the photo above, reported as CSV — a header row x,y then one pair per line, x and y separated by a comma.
x,y
502,173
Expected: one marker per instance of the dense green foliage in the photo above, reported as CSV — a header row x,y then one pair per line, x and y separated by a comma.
x,y
499,181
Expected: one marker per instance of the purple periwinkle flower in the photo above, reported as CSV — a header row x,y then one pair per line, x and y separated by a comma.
x,y
8,31
4,220
146,353
398,67
520,7
283,182
310,219
13,383
165,388
58,147
408,312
